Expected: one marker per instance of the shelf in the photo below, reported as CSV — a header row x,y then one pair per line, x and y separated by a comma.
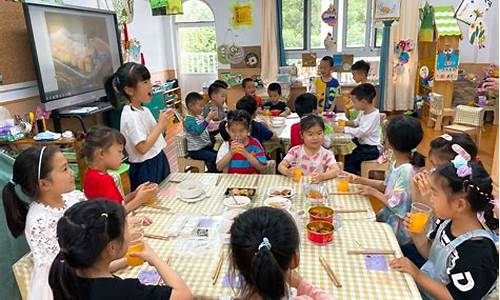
x,y
171,90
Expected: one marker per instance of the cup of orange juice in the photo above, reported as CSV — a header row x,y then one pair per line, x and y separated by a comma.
x,y
152,201
343,183
297,171
419,216
135,246
341,123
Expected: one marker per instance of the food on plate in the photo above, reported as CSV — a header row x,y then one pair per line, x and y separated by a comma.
x,y
315,195
284,192
320,227
242,192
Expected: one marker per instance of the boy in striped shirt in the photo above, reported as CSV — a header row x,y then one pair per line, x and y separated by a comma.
x,y
242,154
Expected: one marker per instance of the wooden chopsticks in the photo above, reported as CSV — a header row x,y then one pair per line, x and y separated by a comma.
x,y
216,273
330,272
161,207
350,210
156,237
372,251
219,178
344,193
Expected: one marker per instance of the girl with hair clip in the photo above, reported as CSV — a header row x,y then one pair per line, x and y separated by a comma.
x,y
41,175
265,252
91,236
462,257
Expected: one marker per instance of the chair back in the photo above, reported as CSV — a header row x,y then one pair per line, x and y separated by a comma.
x,y
469,115
23,270
181,145
436,103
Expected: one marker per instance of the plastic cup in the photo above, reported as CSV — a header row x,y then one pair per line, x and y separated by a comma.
x,y
135,246
419,217
297,172
152,201
341,123
343,183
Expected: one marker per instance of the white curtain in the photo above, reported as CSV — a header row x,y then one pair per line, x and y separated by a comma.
x,y
269,48
400,88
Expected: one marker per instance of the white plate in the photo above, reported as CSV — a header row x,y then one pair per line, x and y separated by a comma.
x,y
278,202
196,199
281,188
237,202
190,189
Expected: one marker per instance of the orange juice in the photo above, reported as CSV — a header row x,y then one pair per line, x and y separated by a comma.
x,y
297,173
134,260
376,204
343,185
418,221
151,201
341,123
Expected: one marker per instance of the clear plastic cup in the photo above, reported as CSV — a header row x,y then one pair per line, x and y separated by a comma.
x,y
419,216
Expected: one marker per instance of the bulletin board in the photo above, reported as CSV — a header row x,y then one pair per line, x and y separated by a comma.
x,y
16,63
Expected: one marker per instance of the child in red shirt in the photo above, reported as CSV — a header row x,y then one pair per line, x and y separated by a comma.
x,y
250,88
304,104
103,150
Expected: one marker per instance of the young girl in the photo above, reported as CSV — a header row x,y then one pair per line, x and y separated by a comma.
x,y
311,157
43,176
103,150
242,154
91,235
265,251
145,142
403,136
462,258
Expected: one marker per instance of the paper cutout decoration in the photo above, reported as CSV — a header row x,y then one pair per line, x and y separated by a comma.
x,y
124,10
251,58
470,11
222,52
235,55
477,33
330,43
426,32
241,14
387,9
329,16
403,49
309,59
166,7
424,72
447,65
342,62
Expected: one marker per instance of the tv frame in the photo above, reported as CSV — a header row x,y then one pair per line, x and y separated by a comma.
x,y
81,98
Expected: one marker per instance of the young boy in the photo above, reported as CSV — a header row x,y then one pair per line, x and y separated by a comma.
x,y
250,88
218,94
274,103
199,144
366,128
243,154
326,88
359,70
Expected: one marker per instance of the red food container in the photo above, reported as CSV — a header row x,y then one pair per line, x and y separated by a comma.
x,y
275,112
321,213
320,232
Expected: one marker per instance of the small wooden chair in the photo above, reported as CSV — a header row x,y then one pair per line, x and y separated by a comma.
x,y
184,162
23,270
468,119
437,112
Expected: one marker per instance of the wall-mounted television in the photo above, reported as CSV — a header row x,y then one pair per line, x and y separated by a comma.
x,y
74,49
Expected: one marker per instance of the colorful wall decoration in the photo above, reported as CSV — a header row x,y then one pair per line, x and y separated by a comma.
x,y
166,7
242,14
342,62
329,16
387,9
447,65
251,58
309,59
470,11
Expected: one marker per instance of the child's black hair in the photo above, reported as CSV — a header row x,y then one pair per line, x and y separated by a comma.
x,y
238,116
221,83
25,175
361,65
83,233
441,147
100,137
247,80
274,87
310,120
129,74
192,98
364,91
248,104
477,188
328,59
305,104
264,268
404,134
215,87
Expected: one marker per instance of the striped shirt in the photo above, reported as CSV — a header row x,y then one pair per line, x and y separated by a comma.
x,y
239,164
197,135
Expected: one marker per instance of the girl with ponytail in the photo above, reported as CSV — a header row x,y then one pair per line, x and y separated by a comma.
x,y
42,174
92,235
265,251
462,257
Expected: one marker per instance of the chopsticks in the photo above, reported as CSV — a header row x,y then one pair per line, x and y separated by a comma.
x,y
344,193
216,273
330,272
219,178
156,237
350,210
175,180
256,182
372,251
161,207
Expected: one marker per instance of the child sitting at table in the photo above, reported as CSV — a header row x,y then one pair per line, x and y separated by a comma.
x,y
462,257
242,154
326,87
93,234
217,92
311,157
250,88
199,144
359,70
275,103
265,252
366,128
403,136
103,151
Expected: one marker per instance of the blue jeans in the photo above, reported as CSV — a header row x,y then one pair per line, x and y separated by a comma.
x,y
208,155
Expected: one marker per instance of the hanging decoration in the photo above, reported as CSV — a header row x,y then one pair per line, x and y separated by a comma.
x,y
330,43
124,10
447,64
470,11
426,32
242,13
387,9
230,53
131,47
477,33
424,72
251,58
329,16
166,7
402,53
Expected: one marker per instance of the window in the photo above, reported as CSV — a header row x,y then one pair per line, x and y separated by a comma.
x,y
293,24
196,38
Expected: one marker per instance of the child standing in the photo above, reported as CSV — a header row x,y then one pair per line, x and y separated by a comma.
x,y
265,251
275,103
366,128
326,88
217,92
103,150
242,154
199,144
250,88
43,175
311,157
462,257
93,234
403,136
145,141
